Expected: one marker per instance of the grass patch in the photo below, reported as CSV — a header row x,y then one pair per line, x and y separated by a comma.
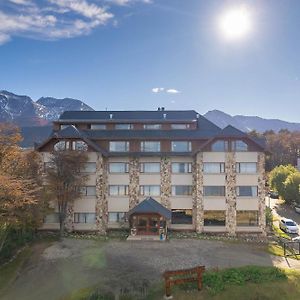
x,y
9,272
278,232
217,284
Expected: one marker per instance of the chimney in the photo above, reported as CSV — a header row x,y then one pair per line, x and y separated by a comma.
x,y
158,108
162,108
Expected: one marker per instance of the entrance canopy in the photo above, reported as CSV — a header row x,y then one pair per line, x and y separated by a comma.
x,y
150,206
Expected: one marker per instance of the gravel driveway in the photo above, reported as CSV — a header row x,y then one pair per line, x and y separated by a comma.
x,y
125,266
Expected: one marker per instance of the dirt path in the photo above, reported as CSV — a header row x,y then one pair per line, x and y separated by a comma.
x,y
117,265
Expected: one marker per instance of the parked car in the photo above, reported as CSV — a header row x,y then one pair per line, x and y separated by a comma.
x,y
297,208
273,195
288,226
296,239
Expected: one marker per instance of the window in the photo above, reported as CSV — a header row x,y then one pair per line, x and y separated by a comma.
x,y
219,146
89,167
52,218
214,218
181,190
150,146
88,218
116,217
88,191
246,168
123,126
239,146
247,218
151,167
150,190
62,145
182,216
213,167
98,126
119,146
118,190
152,126
246,191
214,190
181,167
118,167
181,146
180,126
79,146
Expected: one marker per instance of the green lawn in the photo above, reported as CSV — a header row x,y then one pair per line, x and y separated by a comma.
x,y
9,272
245,283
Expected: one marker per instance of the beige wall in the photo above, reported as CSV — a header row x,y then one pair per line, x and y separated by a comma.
x,y
213,179
181,179
214,203
118,204
213,156
244,203
181,202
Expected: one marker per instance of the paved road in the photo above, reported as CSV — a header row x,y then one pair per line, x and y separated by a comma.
x,y
282,210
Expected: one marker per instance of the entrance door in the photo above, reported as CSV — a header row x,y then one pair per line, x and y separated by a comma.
x,y
147,224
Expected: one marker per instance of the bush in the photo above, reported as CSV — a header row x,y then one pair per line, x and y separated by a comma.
x,y
216,281
16,238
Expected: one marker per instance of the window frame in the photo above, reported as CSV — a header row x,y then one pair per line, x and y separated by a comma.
x,y
188,144
225,143
255,195
125,164
221,167
238,167
124,126
145,190
223,219
223,194
142,146
189,217
152,126
77,217
174,191
142,167
126,146
239,224
119,188
188,168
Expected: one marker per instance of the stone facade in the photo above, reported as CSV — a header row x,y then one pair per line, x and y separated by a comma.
x,y
165,186
198,208
134,175
230,188
101,195
261,192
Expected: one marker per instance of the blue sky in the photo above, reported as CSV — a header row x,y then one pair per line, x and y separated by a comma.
x,y
141,54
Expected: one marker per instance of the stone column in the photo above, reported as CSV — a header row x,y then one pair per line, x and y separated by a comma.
x,y
165,184
134,178
198,206
101,194
261,192
230,188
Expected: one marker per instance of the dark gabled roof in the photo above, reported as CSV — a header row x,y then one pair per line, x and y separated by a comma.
x,y
73,133
207,127
230,131
177,115
149,205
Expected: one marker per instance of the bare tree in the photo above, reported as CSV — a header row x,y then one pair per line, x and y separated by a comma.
x,y
64,180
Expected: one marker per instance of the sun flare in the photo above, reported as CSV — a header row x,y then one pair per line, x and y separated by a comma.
x,y
235,23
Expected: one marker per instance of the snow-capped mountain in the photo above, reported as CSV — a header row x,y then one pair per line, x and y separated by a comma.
x,y
248,123
23,111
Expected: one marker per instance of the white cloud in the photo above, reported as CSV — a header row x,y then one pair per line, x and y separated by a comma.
x,y
53,19
21,2
158,90
127,2
172,91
